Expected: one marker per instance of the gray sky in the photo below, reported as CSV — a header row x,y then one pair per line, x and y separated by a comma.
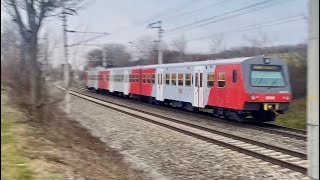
x,y
126,20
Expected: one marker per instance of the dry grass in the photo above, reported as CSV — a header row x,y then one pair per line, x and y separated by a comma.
x,y
56,148
295,117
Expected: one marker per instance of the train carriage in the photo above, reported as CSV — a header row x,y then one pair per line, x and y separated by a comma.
x,y
254,88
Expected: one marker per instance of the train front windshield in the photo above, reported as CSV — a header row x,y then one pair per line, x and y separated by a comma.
x,y
267,76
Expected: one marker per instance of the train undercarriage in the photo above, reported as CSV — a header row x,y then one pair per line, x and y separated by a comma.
x,y
256,116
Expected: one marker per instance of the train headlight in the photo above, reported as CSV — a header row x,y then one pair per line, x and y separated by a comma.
x,y
267,60
270,107
253,97
287,98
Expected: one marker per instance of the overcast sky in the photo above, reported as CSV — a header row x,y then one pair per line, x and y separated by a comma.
x,y
126,20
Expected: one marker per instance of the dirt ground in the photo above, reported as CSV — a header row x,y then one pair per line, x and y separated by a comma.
x,y
61,145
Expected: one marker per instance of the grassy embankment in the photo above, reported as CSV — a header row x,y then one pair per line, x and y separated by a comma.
x,y
15,162
295,117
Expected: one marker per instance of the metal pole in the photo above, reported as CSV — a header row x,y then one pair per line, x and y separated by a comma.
x,y
66,63
313,91
160,58
104,59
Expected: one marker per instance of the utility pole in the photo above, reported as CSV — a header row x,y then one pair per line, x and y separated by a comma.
x,y
66,61
313,91
104,58
160,31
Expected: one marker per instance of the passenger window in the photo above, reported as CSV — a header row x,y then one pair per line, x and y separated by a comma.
x,y
188,80
144,78
196,80
173,79
180,79
234,76
161,79
210,80
148,77
200,79
153,77
137,78
221,80
168,79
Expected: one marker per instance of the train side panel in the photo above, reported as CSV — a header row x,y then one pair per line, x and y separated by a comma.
x,y
228,90
148,81
176,87
104,79
134,82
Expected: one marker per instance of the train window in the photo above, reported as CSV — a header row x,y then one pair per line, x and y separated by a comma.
x,y
234,76
107,77
210,81
143,78
173,79
130,78
168,79
153,78
192,79
180,79
196,80
147,79
221,80
138,78
150,78
161,79
188,80
100,77
200,80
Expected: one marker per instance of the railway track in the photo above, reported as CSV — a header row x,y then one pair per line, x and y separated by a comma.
x,y
265,127
280,156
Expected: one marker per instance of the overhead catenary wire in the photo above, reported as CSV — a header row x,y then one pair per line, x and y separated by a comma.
x,y
196,10
229,17
251,27
87,40
218,16
155,16
167,11
237,15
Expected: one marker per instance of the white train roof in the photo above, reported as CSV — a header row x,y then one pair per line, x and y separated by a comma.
x,y
207,62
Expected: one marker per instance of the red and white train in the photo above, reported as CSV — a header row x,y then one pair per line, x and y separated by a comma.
x,y
250,88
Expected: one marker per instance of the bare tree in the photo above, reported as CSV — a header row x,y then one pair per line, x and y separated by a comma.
x,y
117,54
94,58
10,41
258,42
29,16
146,49
180,45
217,44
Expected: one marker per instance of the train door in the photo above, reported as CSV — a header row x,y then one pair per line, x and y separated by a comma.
x,y
160,84
97,79
126,82
198,86
111,82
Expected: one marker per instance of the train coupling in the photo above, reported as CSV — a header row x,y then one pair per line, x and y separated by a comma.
x,y
270,106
